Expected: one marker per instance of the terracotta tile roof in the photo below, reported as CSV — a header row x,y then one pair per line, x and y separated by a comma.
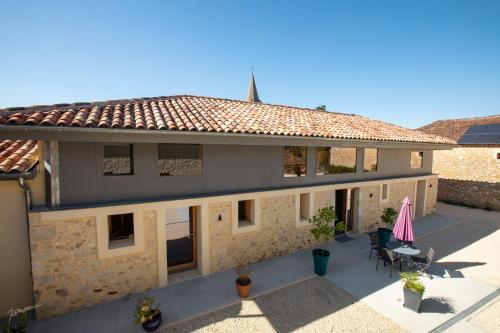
x,y
194,113
17,156
454,128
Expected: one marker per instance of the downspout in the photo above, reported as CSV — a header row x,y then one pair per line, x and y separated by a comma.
x,y
21,181
27,194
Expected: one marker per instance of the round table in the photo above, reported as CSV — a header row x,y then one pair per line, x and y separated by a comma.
x,y
402,248
405,250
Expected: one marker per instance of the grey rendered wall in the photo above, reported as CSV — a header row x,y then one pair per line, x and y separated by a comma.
x,y
226,168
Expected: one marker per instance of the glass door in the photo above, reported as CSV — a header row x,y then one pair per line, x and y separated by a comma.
x,y
181,238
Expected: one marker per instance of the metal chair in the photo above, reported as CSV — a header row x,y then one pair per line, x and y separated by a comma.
x,y
373,242
387,256
422,264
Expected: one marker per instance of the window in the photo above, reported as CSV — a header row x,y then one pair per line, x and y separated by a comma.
x,y
179,160
370,159
416,159
384,193
246,213
303,209
330,160
117,159
121,230
295,161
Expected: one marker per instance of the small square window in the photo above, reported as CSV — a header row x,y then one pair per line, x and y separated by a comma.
x,y
117,159
246,215
295,161
370,160
121,230
416,159
304,211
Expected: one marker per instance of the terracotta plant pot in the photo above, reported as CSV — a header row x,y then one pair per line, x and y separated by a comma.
x,y
243,285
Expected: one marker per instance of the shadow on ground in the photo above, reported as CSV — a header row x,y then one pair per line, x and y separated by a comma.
x,y
437,305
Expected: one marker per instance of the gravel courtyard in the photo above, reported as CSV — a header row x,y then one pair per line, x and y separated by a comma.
x,y
314,305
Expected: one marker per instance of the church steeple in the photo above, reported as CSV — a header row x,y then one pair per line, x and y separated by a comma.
x,y
253,96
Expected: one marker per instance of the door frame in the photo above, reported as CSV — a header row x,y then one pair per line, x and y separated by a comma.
x,y
194,235
420,198
348,212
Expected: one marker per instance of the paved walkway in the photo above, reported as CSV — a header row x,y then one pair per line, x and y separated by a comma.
x,y
447,295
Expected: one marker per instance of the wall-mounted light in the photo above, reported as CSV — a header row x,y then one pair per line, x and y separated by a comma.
x,y
220,217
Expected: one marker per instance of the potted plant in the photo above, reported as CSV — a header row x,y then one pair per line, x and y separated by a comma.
x,y
413,290
243,281
19,324
323,229
147,315
388,217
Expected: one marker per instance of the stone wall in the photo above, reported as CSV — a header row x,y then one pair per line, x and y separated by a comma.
x,y
370,208
67,274
470,193
277,236
468,163
323,199
469,176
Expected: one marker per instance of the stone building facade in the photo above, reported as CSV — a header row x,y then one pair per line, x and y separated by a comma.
x,y
69,273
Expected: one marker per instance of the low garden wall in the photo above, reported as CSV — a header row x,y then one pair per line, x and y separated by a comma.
x,y
469,193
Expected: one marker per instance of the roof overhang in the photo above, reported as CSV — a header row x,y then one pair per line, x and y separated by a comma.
x,y
86,134
28,175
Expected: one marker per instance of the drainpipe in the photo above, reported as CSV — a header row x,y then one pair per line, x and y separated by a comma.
x,y
27,201
27,193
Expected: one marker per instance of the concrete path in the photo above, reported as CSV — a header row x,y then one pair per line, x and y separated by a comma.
x,y
449,293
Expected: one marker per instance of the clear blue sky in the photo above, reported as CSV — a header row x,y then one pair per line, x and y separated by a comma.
x,y
406,62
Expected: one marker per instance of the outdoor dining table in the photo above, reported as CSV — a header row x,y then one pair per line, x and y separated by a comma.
x,y
405,250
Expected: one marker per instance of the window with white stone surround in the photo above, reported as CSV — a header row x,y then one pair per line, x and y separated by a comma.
x,y
303,208
245,215
384,193
120,231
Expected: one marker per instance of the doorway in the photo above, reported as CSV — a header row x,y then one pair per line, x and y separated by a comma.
x,y
344,208
181,239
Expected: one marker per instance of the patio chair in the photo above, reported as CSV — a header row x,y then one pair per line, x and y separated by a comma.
x,y
387,256
373,243
422,264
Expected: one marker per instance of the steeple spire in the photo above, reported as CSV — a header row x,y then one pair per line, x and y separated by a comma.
x,y
253,96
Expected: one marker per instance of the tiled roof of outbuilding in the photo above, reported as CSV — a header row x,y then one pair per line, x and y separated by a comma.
x,y
200,114
454,129
17,156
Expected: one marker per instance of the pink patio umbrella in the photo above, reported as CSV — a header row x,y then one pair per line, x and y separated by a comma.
x,y
403,229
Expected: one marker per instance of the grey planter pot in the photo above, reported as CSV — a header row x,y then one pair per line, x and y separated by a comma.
x,y
412,300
